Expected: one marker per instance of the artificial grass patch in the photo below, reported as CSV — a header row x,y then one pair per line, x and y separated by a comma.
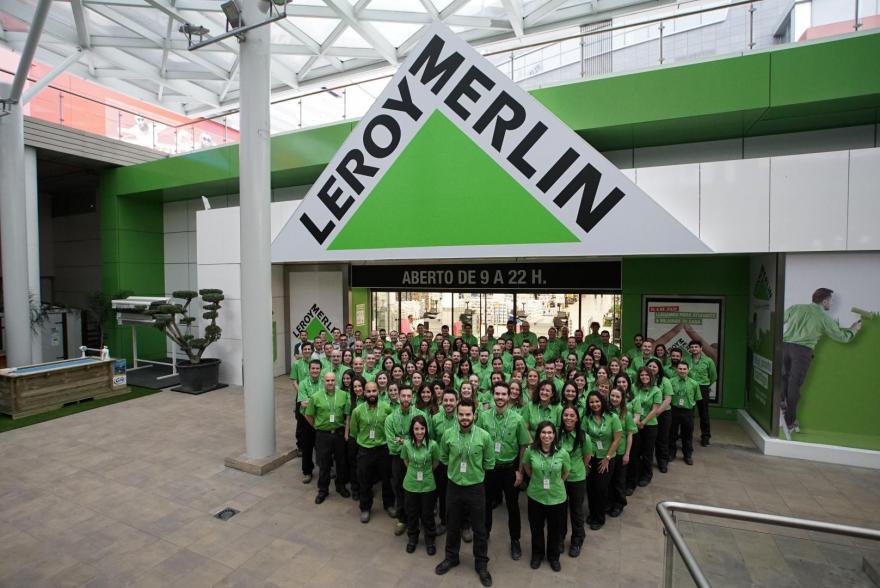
x,y
8,424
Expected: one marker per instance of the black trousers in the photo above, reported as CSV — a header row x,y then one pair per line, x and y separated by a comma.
x,y
330,447
398,473
442,477
374,465
500,481
305,442
795,365
597,490
661,446
420,509
646,452
351,458
466,503
574,511
683,426
551,517
617,488
703,410
632,470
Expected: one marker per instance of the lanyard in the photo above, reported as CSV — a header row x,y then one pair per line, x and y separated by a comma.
x,y
333,406
601,426
546,467
372,422
465,449
416,450
502,426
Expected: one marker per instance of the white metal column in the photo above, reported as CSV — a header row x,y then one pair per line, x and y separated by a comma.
x,y
33,244
13,236
256,268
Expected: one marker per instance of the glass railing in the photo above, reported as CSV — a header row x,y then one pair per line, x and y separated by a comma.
x,y
677,33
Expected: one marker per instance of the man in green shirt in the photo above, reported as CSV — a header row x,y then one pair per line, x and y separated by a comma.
x,y
608,348
467,334
594,338
685,395
328,411
636,349
647,354
299,371
805,325
396,430
510,334
305,432
440,423
509,439
468,453
482,367
367,426
555,345
525,334
703,372
490,337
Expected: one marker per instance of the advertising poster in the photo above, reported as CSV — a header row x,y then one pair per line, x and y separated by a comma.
x,y
762,328
315,303
830,348
676,321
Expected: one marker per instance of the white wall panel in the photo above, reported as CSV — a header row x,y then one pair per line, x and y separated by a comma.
x,y
176,277
666,155
218,236
808,202
193,207
229,351
230,318
174,217
677,189
864,200
176,247
735,205
224,276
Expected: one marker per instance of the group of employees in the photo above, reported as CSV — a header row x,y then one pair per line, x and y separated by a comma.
x,y
454,426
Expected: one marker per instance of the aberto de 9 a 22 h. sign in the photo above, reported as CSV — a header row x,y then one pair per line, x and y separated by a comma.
x,y
454,160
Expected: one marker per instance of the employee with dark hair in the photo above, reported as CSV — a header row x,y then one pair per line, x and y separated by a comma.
x,y
328,412
580,449
307,387
649,398
468,453
421,455
685,395
367,428
396,430
664,416
547,466
441,422
703,372
603,427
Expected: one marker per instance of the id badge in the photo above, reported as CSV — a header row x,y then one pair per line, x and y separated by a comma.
x,y
462,467
546,483
498,447
372,433
599,444
332,417
681,401
419,476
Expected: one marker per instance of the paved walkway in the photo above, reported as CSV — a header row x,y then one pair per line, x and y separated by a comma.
x,y
124,495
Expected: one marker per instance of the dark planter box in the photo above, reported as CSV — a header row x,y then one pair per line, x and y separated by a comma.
x,y
200,377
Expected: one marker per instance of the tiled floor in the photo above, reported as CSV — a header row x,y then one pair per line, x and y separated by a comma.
x,y
125,495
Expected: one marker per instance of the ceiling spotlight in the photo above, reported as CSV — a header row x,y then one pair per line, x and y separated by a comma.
x,y
191,30
233,14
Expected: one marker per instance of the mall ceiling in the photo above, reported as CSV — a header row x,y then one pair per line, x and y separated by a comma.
x,y
136,47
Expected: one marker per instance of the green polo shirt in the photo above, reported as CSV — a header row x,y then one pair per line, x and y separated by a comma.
x,y
665,390
507,335
530,337
639,362
610,350
440,423
467,455
485,401
554,348
585,449
299,370
530,361
397,425
576,351
602,433
633,352
685,392
420,465
546,484
367,424
481,370
507,361
370,374
538,414
703,370
628,425
329,410
592,339
805,324
646,399
307,389
469,339
508,433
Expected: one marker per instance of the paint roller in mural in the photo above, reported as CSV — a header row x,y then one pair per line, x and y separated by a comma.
x,y
451,128
805,326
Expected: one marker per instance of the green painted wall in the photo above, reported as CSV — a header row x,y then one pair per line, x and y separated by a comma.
x,y
718,275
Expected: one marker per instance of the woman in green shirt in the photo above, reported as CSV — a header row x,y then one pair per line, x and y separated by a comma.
x,y
580,450
545,406
603,428
617,497
351,446
570,397
547,466
421,455
518,402
623,383
649,398
425,402
664,417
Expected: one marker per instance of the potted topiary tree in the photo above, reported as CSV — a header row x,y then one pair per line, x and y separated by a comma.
x,y
197,374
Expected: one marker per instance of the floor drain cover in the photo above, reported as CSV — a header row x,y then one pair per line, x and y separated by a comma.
x,y
226,514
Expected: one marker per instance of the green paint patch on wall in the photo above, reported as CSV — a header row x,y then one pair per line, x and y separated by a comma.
x,y
443,171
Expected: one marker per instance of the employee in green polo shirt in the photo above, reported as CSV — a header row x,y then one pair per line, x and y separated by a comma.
x,y
328,412
545,405
367,426
636,349
525,334
547,466
649,398
580,449
805,325
396,430
617,490
441,422
510,333
664,414
299,371
608,348
604,430
304,429
468,452
509,440
421,455
685,395
467,334
704,373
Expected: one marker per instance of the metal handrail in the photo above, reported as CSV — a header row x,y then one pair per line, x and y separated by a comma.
x,y
666,510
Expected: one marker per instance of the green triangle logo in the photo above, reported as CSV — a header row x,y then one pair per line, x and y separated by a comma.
x,y
762,289
314,329
439,187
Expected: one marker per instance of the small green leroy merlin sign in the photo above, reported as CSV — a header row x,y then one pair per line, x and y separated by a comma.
x,y
313,322
452,133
